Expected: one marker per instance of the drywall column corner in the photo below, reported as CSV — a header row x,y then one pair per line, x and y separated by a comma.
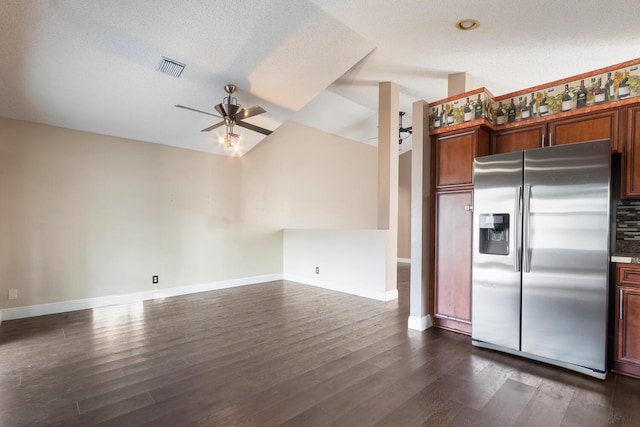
x,y
459,83
419,317
388,124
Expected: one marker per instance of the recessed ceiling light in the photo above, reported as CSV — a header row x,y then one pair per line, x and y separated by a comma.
x,y
467,24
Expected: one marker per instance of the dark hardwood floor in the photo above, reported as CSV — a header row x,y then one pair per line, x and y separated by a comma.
x,y
282,354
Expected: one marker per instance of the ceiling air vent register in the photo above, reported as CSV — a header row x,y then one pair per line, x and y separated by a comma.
x,y
171,67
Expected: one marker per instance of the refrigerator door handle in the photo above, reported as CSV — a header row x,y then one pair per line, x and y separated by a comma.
x,y
525,230
518,225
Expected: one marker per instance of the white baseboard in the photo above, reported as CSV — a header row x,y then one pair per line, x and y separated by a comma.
x,y
83,304
367,293
87,303
213,286
420,323
405,260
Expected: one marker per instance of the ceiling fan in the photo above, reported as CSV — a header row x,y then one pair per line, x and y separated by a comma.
x,y
403,132
232,114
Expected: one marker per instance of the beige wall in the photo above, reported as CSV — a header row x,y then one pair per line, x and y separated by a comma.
x,y
301,177
85,215
404,206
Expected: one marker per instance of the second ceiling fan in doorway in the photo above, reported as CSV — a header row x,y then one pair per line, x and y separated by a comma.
x,y
403,132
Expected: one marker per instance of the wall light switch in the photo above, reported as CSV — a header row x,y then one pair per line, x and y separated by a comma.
x,y
155,279
13,294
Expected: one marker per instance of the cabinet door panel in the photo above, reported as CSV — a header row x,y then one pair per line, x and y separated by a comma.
x,y
518,139
631,165
629,328
453,255
583,128
455,159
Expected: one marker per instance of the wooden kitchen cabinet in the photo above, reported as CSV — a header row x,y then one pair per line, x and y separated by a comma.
x,y
581,128
455,153
452,168
452,293
627,346
585,127
631,155
518,139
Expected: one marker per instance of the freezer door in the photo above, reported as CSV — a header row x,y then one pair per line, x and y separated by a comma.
x,y
566,253
496,274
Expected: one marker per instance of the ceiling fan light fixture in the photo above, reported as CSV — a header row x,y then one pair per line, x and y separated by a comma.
x,y
467,24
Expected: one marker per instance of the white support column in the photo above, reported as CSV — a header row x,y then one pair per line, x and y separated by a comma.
x,y
388,124
419,317
459,83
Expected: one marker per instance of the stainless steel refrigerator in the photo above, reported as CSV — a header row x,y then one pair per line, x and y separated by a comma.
x,y
541,254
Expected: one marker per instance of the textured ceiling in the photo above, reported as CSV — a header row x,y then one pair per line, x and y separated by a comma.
x,y
91,65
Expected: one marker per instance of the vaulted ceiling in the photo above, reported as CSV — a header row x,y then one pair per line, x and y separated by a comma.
x,y
91,65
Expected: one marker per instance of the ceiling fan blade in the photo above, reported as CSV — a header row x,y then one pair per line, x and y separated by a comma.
x,y
250,112
254,128
212,127
220,110
197,111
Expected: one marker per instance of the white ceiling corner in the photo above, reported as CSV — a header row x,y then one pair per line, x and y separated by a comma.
x,y
333,113
318,50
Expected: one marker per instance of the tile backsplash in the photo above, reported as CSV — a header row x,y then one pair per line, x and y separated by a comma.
x,y
628,226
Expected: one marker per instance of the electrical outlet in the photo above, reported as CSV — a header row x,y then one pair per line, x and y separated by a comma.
x,y
155,279
13,294
317,270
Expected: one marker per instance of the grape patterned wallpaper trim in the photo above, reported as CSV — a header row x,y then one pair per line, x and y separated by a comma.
x,y
607,87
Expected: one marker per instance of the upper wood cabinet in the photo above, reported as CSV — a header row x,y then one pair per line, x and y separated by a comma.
x,y
631,163
518,139
585,127
455,153
582,128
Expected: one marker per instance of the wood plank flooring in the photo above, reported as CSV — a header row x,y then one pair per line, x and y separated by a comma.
x,y
282,354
